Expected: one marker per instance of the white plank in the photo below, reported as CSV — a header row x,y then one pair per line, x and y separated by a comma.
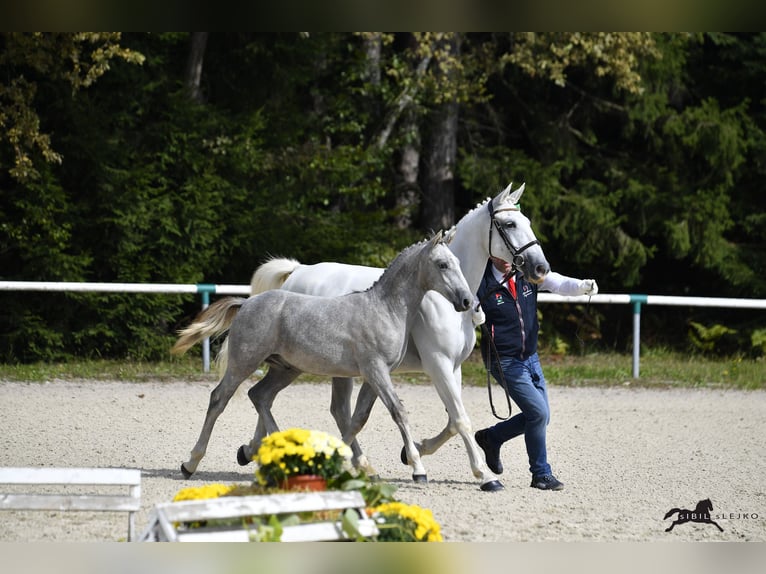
x,y
45,475
165,517
234,506
100,502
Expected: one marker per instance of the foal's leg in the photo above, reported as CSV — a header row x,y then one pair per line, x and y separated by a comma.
x,y
377,375
365,400
262,395
340,408
219,398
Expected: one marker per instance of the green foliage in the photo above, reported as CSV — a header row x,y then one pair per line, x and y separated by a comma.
x,y
642,154
758,341
374,492
553,54
78,59
708,339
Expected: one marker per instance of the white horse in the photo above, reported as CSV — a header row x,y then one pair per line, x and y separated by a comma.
x,y
441,339
358,334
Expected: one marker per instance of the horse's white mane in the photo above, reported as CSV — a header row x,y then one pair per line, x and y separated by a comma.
x,y
478,206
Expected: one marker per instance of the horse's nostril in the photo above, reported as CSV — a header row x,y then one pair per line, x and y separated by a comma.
x,y
466,303
542,270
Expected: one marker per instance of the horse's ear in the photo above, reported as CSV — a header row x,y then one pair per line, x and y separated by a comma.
x,y
502,197
507,196
515,197
449,236
437,238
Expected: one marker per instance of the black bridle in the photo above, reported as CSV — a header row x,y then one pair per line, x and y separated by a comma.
x,y
517,262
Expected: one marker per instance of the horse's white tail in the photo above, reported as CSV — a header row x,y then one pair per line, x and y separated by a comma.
x,y
214,320
272,274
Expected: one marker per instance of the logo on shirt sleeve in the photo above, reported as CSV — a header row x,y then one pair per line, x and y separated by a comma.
x,y
526,290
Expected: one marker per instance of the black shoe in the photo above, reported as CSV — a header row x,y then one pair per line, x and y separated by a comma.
x,y
491,452
547,482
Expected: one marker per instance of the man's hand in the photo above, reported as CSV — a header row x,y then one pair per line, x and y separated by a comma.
x,y
477,313
588,287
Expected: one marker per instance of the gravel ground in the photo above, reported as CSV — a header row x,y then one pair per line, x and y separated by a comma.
x,y
626,455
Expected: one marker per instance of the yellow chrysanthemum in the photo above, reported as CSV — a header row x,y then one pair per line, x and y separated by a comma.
x,y
203,492
300,451
427,529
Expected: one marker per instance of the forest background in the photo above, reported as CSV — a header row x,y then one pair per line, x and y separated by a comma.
x,y
192,157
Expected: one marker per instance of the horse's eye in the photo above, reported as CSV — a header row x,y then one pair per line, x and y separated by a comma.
x,y
443,265
511,225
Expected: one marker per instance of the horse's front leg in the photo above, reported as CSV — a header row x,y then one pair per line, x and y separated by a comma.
x,y
262,395
378,377
448,384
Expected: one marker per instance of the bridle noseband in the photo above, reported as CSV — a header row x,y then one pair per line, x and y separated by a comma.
x,y
518,259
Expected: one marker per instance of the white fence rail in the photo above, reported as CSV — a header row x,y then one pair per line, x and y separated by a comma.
x,y
638,300
206,289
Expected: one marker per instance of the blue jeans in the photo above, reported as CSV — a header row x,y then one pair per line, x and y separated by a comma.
x,y
525,384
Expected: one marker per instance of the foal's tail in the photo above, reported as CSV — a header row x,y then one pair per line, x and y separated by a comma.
x,y
272,274
214,320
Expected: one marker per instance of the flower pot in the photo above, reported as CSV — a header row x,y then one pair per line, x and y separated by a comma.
x,y
305,482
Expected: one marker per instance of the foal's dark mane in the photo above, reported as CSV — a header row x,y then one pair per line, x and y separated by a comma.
x,y
406,255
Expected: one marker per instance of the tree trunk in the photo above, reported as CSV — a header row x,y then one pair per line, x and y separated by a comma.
x,y
438,211
372,45
194,65
407,188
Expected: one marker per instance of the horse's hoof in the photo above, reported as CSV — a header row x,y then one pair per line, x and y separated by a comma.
x,y
186,473
241,458
403,456
492,486
421,478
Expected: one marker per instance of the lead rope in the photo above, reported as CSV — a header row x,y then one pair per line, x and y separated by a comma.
x,y
491,347
486,333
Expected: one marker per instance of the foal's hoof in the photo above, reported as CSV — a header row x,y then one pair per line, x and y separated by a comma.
x,y
421,478
186,473
241,458
492,486
403,456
